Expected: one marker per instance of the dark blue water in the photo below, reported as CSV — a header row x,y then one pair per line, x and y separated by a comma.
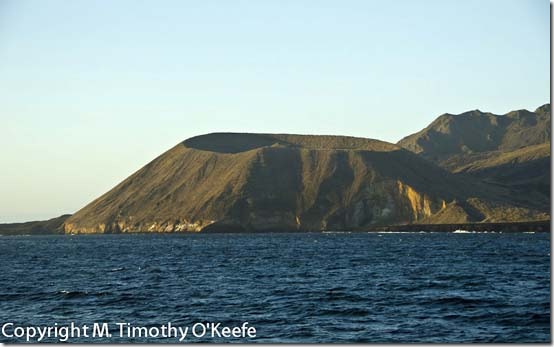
x,y
432,287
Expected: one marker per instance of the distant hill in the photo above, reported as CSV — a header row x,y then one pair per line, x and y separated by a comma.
x,y
265,182
51,226
477,132
512,150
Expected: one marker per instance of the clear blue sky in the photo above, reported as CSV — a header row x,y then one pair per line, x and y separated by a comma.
x,y
93,90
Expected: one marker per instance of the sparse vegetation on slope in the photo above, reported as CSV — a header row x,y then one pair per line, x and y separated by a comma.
x,y
51,226
262,182
511,150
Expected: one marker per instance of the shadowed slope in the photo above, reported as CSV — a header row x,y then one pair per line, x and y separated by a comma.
x,y
477,132
51,226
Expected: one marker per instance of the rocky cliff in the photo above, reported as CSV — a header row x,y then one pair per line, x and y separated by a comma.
x,y
265,182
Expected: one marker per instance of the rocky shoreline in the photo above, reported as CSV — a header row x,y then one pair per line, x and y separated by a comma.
x,y
55,227
533,226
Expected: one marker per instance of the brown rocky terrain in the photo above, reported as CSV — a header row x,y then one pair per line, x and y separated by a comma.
x,y
511,150
265,182
478,132
51,226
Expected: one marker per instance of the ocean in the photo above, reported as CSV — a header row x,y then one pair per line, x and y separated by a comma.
x,y
304,288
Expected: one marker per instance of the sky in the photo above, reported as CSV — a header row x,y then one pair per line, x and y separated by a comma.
x,y
92,90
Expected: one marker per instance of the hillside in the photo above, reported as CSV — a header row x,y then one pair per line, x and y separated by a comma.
x,y
511,150
51,226
477,132
263,182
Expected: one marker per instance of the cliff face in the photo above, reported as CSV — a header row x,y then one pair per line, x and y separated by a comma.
x,y
262,182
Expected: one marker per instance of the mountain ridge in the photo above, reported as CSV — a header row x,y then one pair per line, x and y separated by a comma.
x,y
510,150
476,131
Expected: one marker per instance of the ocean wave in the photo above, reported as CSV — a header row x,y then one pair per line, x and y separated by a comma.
x,y
458,300
402,232
476,232
427,288
80,293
